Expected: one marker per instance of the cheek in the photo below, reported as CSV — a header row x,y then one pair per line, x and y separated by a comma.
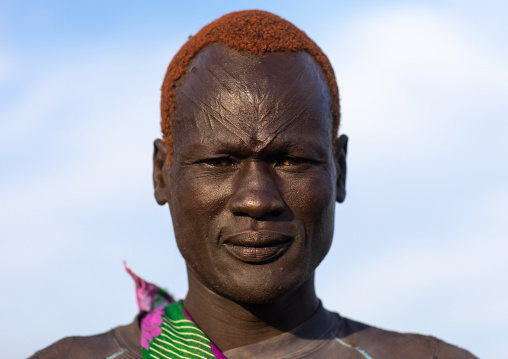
x,y
196,204
312,200
193,194
310,196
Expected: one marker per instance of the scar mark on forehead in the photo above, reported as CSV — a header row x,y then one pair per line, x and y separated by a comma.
x,y
291,103
209,113
253,101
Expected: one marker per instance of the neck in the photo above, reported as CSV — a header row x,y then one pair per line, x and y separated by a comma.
x,y
230,324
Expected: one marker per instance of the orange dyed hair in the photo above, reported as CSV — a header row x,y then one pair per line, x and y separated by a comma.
x,y
253,32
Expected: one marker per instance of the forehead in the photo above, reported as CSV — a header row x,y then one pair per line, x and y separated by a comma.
x,y
252,98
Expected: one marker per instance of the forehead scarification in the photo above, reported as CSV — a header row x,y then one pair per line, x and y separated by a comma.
x,y
253,98
253,32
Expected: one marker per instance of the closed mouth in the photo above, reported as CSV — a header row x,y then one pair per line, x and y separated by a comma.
x,y
257,246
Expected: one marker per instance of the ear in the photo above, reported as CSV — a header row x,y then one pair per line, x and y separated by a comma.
x,y
160,181
340,147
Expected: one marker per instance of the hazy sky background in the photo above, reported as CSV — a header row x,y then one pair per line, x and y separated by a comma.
x,y
420,243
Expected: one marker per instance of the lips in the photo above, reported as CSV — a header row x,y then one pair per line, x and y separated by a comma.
x,y
257,246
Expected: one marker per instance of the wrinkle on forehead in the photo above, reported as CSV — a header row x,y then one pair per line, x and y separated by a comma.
x,y
253,98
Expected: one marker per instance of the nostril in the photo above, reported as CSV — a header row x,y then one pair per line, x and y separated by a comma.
x,y
257,204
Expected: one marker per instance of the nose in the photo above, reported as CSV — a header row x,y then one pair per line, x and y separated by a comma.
x,y
256,193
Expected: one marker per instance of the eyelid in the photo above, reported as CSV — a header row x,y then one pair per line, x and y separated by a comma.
x,y
222,161
294,160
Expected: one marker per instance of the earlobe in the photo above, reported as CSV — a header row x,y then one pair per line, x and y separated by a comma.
x,y
160,183
340,148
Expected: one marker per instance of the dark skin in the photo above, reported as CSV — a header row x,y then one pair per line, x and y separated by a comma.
x,y
251,187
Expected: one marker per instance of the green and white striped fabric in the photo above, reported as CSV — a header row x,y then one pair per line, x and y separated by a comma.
x,y
179,337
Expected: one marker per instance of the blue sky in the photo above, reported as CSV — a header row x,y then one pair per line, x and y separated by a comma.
x,y
420,243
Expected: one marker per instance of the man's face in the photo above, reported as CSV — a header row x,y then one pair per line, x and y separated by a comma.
x,y
252,183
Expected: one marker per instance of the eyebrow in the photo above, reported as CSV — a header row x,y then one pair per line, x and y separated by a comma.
x,y
272,149
299,147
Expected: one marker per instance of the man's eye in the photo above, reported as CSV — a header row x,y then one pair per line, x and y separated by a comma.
x,y
219,162
291,161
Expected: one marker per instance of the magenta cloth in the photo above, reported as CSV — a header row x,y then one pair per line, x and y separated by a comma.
x,y
151,326
148,294
153,299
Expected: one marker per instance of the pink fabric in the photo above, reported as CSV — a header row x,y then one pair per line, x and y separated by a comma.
x,y
147,294
218,354
150,326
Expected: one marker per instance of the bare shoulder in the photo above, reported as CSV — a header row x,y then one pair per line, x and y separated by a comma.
x,y
79,347
381,343
121,342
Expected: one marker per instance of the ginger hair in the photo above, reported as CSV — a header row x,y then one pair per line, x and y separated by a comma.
x,y
253,32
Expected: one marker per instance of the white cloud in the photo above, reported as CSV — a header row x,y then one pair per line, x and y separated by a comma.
x,y
88,144
412,77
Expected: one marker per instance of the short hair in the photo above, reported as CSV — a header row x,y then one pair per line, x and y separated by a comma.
x,y
253,32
